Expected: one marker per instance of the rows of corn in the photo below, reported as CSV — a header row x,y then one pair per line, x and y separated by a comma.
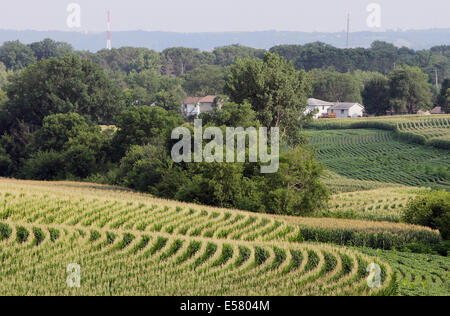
x,y
132,244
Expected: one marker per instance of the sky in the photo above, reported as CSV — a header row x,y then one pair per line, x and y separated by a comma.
x,y
225,15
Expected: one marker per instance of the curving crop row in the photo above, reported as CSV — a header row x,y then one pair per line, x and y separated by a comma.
x,y
142,263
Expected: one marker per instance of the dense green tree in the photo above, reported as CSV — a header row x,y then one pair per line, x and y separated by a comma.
x,y
430,209
364,77
68,138
144,168
277,92
167,101
180,60
16,55
3,75
444,96
296,188
334,86
205,80
126,59
49,48
289,52
142,125
320,55
6,163
228,55
232,115
409,90
376,96
64,85
385,56
148,87
48,165
57,130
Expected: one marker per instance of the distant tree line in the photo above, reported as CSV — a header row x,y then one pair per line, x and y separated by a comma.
x,y
365,75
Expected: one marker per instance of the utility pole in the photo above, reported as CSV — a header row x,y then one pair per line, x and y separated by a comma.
x,y
348,31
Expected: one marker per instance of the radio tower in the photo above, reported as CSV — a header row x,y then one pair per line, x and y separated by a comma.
x,y
348,30
108,41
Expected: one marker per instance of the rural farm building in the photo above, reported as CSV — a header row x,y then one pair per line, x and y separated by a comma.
x,y
437,110
194,106
319,105
345,110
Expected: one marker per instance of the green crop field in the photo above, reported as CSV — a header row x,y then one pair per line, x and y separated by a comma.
x,y
128,243
431,130
375,155
385,204
417,274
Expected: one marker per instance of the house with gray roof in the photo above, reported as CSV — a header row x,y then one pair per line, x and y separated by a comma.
x,y
341,109
346,110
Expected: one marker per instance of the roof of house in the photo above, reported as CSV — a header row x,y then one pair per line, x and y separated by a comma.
x,y
193,100
344,106
437,110
208,99
317,102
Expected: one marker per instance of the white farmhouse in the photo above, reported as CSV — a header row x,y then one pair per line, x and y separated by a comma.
x,y
321,107
194,106
346,110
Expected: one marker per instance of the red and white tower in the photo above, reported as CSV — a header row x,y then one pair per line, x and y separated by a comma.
x,y
108,41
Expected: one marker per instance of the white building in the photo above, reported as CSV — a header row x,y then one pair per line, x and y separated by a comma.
x,y
346,110
194,106
321,107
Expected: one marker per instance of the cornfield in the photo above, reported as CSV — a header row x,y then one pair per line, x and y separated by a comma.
x,y
133,244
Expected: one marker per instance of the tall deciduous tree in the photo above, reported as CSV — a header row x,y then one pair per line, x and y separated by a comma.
x,y
141,125
409,90
277,92
444,97
49,48
205,80
376,96
180,60
16,55
334,86
65,85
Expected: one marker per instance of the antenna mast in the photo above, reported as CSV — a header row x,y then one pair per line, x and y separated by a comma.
x,y
348,30
108,40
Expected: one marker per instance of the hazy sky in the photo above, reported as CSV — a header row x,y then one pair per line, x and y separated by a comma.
x,y
224,15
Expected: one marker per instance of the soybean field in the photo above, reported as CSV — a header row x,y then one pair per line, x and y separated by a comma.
x,y
376,155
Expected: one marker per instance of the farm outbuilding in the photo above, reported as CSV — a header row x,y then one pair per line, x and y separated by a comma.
x,y
345,110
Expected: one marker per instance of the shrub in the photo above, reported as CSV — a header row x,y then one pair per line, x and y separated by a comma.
x,y
54,234
5,231
22,234
48,165
430,209
38,235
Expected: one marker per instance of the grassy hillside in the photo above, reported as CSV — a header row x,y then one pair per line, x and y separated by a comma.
x,y
375,155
